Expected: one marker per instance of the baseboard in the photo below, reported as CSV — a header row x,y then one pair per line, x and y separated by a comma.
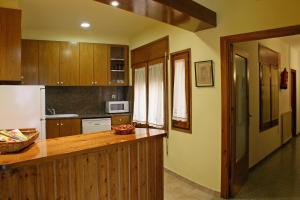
x,y
200,187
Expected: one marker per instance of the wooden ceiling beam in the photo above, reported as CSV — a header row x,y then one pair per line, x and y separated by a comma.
x,y
185,14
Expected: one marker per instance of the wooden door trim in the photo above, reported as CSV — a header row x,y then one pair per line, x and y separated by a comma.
x,y
226,82
293,71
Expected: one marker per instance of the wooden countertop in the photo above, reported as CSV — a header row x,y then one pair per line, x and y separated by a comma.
x,y
61,147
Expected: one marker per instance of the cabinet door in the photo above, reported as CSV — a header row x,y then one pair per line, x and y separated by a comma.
x,y
52,128
30,62
69,64
70,127
10,44
101,66
120,119
86,64
118,70
48,63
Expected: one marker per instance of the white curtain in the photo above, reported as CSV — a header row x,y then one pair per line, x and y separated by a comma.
x,y
156,96
140,103
179,94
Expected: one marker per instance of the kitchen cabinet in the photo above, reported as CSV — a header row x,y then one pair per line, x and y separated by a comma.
x,y
10,44
118,68
62,127
48,63
69,64
86,63
52,128
74,64
30,62
120,119
101,66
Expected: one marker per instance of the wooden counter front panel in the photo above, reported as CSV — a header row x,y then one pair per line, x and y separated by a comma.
x,y
122,172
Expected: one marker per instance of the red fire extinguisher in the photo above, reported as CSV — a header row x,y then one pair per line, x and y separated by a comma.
x,y
284,79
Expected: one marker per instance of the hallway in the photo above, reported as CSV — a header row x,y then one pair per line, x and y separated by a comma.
x,y
277,177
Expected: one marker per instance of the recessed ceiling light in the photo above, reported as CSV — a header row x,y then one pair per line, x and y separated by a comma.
x,y
115,3
85,25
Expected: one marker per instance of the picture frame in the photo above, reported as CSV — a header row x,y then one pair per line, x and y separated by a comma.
x,y
204,73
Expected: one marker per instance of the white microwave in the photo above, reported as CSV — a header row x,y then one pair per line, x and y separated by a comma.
x,y
117,107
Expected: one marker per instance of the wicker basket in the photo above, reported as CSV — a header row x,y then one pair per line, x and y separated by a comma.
x,y
9,147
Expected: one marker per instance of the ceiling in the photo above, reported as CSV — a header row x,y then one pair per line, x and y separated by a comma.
x,y
66,15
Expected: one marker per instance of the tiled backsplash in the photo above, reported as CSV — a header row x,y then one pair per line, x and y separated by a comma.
x,y
84,100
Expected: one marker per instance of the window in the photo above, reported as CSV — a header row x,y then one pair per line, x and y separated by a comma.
x,y
149,74
269,87
140,95
149,94
181,91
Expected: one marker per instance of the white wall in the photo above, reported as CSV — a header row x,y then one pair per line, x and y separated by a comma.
x,y
197,156
261,144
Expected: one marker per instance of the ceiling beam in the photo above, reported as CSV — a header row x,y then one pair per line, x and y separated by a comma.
x,y
185,14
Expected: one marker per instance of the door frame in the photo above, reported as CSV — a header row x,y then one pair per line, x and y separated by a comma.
x,y
294,108
226,92
244,162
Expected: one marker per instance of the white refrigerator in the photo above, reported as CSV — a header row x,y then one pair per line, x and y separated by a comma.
x,y
23,107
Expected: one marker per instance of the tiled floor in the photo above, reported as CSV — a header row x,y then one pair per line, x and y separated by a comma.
x,y
276,178
178,189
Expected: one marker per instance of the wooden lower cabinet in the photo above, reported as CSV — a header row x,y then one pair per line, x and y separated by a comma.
x,y
120,119
70,127
61,128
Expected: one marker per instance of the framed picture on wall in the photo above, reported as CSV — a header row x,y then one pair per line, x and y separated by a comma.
x,y
204,73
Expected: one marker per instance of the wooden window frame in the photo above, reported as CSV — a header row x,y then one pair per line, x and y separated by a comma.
x,y
273,122
177,125
165,88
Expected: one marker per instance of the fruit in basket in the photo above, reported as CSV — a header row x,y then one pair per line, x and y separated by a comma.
x,y
124,129
12,136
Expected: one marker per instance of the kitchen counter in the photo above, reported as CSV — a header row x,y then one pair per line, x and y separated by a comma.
x,y
90,166
58,147
90,116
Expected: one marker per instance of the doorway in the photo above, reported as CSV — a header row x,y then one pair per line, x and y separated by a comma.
x,y
294,101
228,101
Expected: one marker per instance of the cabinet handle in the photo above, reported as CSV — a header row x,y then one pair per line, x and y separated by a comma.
x,y
57,83
92,83
96,82
61,124
22,77
57,124
61,83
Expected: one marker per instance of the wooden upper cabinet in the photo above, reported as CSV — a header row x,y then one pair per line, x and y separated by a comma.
x,y
118,65
10,44
30,62
69,64
86,60
101,65
49,63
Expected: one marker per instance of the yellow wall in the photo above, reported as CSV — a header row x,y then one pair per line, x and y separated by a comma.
x,y
198,156
10,4
295,64
263,143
